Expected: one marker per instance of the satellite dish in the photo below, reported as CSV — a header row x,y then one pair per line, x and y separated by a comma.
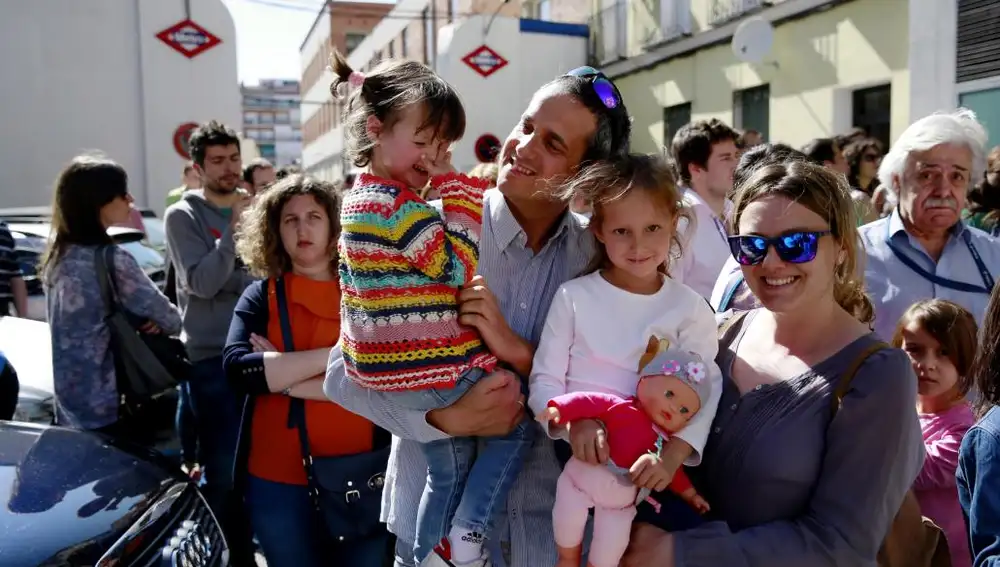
x,y
752,40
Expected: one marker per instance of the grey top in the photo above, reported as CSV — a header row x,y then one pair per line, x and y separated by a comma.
x,y
796,489
83,368
210,279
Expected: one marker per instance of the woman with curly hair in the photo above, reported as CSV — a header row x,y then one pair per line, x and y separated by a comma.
x,y
289,238
863,157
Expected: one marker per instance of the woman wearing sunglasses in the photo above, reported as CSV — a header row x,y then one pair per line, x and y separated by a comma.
x,y
793,482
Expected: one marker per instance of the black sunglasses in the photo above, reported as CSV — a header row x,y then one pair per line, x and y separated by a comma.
x,y
603,87
797,247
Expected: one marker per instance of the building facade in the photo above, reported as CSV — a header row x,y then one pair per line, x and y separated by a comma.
x,y
272,119
102,77
962,47
832,65
495,59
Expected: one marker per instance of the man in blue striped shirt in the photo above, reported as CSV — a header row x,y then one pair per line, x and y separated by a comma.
x,y
531,245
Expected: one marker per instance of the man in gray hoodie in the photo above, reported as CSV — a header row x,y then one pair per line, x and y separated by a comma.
x,y
210,280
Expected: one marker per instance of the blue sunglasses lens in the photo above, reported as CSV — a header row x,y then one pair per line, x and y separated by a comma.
x,y
794,247
606,92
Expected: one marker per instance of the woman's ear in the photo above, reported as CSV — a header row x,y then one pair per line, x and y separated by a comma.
x,y
373,127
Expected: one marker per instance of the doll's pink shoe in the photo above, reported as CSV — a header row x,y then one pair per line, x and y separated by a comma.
x,y
441,557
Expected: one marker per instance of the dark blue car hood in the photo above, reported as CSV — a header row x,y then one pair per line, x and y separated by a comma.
x,y
66,496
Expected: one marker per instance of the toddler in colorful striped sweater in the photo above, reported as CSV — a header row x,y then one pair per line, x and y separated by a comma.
x,y
402,262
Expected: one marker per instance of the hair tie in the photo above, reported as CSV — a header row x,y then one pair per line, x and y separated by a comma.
x,y
356,79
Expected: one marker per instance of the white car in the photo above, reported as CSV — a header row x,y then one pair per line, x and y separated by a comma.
x,y
27,345
31,239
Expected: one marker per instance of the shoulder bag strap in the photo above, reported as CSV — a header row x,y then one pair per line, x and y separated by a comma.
x,y
296,406
848,376
729,327
104,264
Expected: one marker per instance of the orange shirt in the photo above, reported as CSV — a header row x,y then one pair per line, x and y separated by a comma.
x,y
275,454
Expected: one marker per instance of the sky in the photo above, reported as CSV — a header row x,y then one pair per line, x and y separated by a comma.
x,y
269,34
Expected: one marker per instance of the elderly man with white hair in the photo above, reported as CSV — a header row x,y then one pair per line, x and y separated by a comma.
x,y
923,249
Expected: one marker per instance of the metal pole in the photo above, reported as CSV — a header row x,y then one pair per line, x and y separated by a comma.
x,y
187,9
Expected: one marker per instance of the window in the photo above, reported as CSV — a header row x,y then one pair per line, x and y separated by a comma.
x,y
392,49
265,134
267,151
266,118
250,117
871,110
674,117
986,105
544,9
352,39
281,118
752,110
403,50
428,38
252,134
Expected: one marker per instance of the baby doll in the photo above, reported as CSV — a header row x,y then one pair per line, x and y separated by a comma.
x,y
672,389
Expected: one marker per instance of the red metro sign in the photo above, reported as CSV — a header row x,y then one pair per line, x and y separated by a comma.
x,y
188,38
485,61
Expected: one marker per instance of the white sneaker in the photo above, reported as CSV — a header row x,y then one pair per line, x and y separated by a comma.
x,y
441,557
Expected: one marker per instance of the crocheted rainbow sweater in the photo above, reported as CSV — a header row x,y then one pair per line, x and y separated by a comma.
x,y
401,265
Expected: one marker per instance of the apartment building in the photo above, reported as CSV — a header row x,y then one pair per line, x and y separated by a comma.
x,y
271,118
117,76
495,53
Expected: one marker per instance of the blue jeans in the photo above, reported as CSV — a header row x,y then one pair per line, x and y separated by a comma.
x,y
187,429
217,413
468,478
291,534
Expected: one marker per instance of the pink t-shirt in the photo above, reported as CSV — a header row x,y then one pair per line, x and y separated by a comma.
x,y
935,486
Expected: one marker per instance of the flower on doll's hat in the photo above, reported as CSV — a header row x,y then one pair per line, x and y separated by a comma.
x,y
696,371
671,367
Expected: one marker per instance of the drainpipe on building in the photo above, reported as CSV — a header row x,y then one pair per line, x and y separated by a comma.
x,y
143,118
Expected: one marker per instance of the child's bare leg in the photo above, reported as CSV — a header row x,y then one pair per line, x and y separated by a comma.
x,y
570,556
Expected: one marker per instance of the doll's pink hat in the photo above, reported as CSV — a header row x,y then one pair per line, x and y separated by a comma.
x,y
687,366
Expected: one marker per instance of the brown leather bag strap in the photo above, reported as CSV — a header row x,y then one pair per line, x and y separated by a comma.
x,y
728,325
844,385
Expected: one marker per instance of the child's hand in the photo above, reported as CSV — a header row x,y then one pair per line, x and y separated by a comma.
x,y
440,166
692,497
649,472
551,415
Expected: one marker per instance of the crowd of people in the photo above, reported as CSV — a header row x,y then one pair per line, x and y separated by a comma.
x,y
738,353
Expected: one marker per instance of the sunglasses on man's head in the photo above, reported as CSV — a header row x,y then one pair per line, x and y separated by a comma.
x,y
603,87
796,247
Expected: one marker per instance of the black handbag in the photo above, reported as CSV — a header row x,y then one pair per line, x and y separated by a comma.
x,y
147,366
347,490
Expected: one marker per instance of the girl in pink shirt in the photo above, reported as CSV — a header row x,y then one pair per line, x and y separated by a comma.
x,y
940,338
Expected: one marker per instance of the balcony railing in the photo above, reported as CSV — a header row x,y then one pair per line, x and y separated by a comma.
x,y
723,11
609,37
627,27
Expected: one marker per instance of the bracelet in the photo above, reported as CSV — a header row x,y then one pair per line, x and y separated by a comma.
x,y
287,391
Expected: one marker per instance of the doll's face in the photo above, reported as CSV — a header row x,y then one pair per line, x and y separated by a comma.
x,y
668,401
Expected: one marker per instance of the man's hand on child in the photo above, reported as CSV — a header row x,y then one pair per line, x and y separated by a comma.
x,y
648,471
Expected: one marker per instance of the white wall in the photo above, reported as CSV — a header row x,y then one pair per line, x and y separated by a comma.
x,y
93,76
932,56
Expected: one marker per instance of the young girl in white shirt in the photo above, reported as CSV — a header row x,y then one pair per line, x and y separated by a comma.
x,y
605,325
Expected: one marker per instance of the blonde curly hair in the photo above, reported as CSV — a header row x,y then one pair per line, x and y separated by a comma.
x,y
258,240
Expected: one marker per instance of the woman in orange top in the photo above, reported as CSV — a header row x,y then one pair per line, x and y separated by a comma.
x,y
289,236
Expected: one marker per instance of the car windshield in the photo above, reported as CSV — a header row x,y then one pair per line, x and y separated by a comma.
x,y
155,233
147,258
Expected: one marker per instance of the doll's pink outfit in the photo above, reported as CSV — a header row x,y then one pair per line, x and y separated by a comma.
x,y
582,486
